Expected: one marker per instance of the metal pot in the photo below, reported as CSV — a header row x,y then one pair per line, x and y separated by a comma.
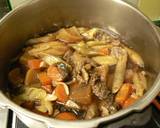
x,y
43,15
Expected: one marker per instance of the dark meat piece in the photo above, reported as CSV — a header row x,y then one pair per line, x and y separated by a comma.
x,y
79,62
16,78
64,70
108,106
100,90
98,82
67,56
92,111
102,36
28,105
61,108
102,72
110,80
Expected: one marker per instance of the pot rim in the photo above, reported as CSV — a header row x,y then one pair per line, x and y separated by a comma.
x,y
138,106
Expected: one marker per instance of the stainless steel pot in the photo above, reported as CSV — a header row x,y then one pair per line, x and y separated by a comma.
x,y
43,15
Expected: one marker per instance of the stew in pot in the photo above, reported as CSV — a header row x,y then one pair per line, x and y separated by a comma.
x,y
77,73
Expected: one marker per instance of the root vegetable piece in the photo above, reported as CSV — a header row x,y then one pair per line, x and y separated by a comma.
x,y
140,83
105,60
92,111
104,51
129,102
66,116
135,57
54,73
34,63
61,91
69,35
119,72
123,93
44,79
82,95
129,75
31,77
48,88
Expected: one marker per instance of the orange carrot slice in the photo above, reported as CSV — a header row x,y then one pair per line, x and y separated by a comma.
x,y
61,91
104,51
34,63
66,116
129,102
48,88
44,79
54,74
123,93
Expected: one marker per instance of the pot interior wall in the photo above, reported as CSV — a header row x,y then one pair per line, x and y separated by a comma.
x,y
40,16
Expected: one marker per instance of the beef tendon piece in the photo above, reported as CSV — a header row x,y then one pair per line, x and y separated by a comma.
x,y
103,72
129,75
107,106
140,83
77,61
98,82
54,48
105,60
100,90
95,43
79,72
85,75
97,34
69,35
135,57
44,39
92,111
45,106
67,56
90,33
119,72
